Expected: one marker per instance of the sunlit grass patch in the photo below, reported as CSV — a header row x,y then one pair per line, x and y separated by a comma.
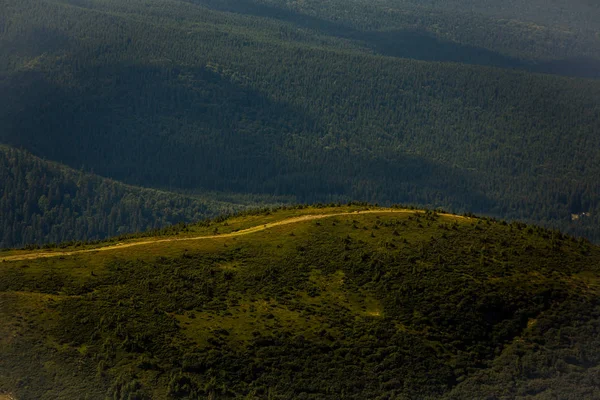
x,y
241,323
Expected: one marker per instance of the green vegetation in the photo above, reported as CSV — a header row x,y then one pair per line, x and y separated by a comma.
x,y
43,203
388,102
392,303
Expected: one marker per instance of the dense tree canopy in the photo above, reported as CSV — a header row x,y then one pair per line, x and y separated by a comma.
x,y
318,101
42,202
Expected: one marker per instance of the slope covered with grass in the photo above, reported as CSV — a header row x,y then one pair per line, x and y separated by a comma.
x,y
308,303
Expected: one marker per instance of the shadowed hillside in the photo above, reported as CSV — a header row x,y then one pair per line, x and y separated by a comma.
x,y
262,98
42,202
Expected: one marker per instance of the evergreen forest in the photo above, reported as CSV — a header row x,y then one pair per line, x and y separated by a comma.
x,y
46,203
474,106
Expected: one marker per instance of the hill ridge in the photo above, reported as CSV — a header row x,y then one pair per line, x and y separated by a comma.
x,y
342,304
258,228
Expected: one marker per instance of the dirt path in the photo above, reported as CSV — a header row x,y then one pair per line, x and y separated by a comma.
x,y
118,246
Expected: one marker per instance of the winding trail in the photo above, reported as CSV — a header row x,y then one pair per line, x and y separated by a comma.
x,y
258,228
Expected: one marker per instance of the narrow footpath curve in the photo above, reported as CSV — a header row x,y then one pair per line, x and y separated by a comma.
x,y
118,246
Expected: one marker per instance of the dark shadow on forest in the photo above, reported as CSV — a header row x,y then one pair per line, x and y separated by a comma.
x,y
397,43
416,45
580,67
32,43
422,46
192,128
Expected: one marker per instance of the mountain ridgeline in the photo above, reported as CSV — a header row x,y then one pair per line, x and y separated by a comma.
x,y
441,105
307,303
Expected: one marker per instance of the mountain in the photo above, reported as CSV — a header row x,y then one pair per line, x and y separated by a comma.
x,y
43,202
432,103
346,302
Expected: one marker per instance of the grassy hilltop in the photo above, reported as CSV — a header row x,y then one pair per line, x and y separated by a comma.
x,y
307,303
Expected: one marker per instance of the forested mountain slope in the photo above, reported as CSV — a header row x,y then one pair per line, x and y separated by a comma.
x,y
304,100
308,303
557,37
42,202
